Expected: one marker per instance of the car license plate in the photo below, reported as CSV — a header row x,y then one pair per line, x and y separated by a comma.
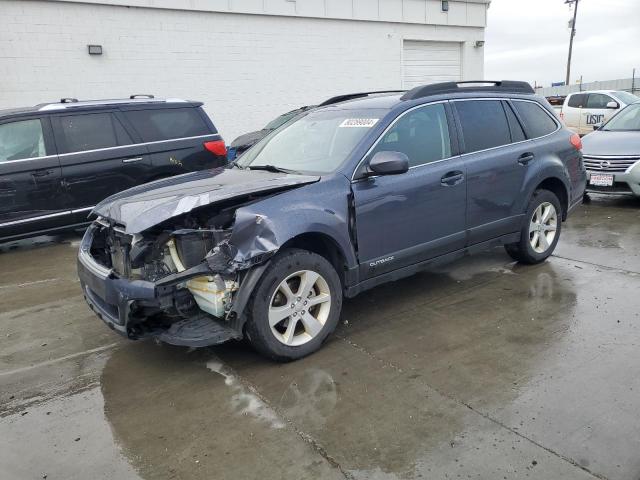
x,y
601,180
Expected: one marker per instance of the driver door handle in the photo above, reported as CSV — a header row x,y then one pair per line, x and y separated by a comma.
x,y
526,158
452,178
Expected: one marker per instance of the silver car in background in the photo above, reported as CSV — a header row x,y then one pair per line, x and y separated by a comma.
x,y
612,154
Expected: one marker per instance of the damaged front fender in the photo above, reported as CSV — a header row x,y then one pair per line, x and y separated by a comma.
x,y
253,240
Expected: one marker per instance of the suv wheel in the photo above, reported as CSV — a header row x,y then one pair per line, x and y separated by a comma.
x,y
541,232
295,306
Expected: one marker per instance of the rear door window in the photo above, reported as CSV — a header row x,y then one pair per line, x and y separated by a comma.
x,y
167,124
577,100
484,124
537,121
91,132
20,140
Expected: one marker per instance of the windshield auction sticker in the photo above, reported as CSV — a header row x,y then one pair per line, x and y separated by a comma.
x,y
359,123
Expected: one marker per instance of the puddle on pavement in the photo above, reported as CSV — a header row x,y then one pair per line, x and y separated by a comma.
x,y
187,415
65,438
244,399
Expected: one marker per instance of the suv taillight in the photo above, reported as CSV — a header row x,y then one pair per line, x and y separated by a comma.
x,y
217,147
576,141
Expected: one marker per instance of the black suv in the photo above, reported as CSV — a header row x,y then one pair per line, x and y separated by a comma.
x,y
58,160
369,189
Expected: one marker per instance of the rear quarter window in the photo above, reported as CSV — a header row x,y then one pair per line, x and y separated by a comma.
x,y
166,124
537,122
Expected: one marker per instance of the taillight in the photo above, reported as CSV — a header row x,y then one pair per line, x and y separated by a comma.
x,y
217,147
576,141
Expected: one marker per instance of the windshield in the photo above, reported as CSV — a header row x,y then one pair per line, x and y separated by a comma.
x,y
318,142
626,97
627,119
281,120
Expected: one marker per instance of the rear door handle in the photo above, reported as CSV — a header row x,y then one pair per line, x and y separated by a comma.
x,y
452,178
41,173
132,160
525,158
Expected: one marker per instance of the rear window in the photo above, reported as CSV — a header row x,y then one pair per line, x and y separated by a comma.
x,y
537,121
167,124
577,100
484,124
92,131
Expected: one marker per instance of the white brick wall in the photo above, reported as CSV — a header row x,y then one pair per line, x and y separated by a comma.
x,y
246,68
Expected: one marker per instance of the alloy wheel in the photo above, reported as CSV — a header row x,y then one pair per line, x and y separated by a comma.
x,y
299,308
543,227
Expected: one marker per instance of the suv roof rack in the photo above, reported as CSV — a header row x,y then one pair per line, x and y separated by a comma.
x,y
75,103
351,96
502,86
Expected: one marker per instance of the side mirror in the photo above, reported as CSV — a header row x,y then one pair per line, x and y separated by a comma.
x,y
388,163
613,105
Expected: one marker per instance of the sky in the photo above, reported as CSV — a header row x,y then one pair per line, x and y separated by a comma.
x,y
529,40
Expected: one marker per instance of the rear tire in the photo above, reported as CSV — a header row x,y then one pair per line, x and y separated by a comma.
x,y
295,305
541,230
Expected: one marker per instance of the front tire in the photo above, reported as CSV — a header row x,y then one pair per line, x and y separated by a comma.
x,y
295,305
541,231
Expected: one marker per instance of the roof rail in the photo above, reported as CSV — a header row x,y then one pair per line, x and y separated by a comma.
x,y
503,86
73,102
351,96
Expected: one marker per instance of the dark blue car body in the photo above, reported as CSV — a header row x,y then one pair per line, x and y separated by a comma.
x,y
372,228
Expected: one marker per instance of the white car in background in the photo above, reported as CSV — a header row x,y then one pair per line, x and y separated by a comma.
x,y
612,154
582,111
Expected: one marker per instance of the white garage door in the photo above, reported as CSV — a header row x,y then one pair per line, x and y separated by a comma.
x,y
429,62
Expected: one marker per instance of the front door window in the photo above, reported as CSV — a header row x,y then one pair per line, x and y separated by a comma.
x,y
20,140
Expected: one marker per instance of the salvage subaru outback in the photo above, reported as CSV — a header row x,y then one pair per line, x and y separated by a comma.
x,y
370,189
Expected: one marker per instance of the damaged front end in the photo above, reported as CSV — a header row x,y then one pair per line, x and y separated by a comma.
x,y
185,280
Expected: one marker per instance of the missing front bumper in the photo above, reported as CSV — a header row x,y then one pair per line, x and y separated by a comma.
x,y
118,303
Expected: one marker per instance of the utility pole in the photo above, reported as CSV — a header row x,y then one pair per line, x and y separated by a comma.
x,y
573,34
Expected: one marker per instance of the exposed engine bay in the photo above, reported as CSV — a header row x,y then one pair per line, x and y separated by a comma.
x,y
199,257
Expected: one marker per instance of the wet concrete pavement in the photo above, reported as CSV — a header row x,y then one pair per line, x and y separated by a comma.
x,y
480,369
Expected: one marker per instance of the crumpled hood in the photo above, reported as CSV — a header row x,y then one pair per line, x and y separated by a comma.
x,y
611,143
147,205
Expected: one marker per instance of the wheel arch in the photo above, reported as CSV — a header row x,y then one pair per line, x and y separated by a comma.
x,y
559,189
323,245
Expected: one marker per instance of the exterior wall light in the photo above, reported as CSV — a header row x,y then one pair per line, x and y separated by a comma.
x,y
94,49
